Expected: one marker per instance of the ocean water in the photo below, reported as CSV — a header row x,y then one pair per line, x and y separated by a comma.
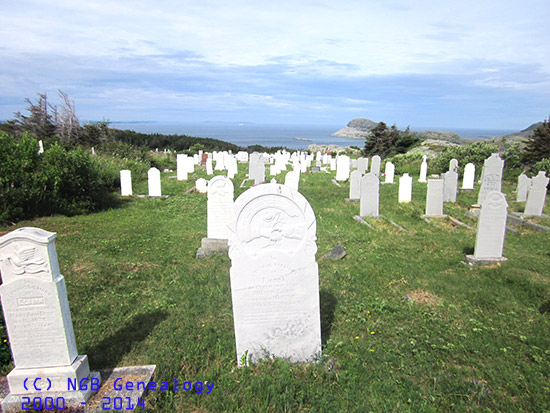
x,y
245,134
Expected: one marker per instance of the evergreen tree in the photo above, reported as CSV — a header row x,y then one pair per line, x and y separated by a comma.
x,y
40,122
538,145
381,140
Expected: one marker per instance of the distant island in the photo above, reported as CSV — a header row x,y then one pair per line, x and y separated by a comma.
x,y
360,128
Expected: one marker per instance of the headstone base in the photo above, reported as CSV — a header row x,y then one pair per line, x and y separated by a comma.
x,y
483,262
435,216
95,402
210,246
58,376
467,189
524,215
474,210
348,200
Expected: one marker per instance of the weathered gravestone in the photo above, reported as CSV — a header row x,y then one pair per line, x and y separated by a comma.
x,y
375,165
153,176
370,195
256,168
274,276
453,165
342,168
219,207
536,195
362,165
434,198
354,185
491,176
125,182
423,169
405,188
219,214
469,177
38,322
332,164
204,158
450,186
389,170
524,182
491,230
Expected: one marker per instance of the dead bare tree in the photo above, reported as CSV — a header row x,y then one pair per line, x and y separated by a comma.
x,y
67,124
39,122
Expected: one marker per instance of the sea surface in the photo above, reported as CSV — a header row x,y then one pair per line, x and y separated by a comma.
x,y
245,134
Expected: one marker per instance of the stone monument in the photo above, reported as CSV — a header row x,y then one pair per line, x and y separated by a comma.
x,y
536,195
274,276
38,322
370,196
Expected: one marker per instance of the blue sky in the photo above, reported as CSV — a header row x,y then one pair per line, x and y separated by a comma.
x,y
472,64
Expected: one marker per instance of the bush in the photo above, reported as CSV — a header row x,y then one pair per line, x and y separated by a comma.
x,y
475,153
542,165
55,182
407,163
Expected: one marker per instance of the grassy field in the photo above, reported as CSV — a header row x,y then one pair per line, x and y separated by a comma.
x,y
405,325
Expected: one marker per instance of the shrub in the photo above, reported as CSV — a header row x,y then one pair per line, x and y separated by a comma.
x,y
542,165
55,182
407,163
475,153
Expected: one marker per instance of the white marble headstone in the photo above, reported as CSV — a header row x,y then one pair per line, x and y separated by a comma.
x,y
202,185
453,165
37,315
450,184
219,207
370,195
434,198
389,171
536,195
469,176
355,184
423,169
292,179
153,176
375,165
181,170
491,177
491,226
362,164
342,168
125,182
274,276
405,188
524,182
209,169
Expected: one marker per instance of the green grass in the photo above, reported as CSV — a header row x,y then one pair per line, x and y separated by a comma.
x,y
405,325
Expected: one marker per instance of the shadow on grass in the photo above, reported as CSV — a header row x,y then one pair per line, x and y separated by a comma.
x,y
328,305
468,250
109,352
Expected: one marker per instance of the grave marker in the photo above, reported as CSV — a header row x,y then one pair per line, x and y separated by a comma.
x,y
524,182
125,182
405,188
153,176
491,176
536,195
274,276
370,195
469,176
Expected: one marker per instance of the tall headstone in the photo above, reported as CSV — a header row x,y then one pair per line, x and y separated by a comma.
x,y
434,198
405,188
274,276
389,171
423,169
362,164
536,195
450,184
469,177
38,321
332,164
375,165
209,169
153,176
491,177
219,207
125,182
370,196
40,147
181,171
524,182
491,230
355,185
342,168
